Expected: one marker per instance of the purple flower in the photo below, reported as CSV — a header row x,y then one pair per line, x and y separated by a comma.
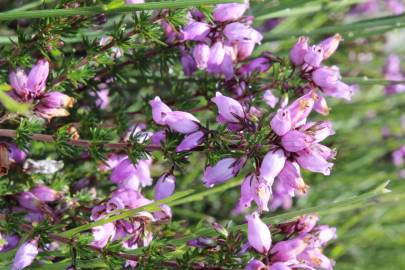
x,y
261,192
25,255
290,179
245,49
229,12
188,63
301,108
18,80
191,141
294,141
315,159
255,265
131,176
159,110
330,45
201,54
216,56
239,32
182,122
37,77
281,122
270,99
273,162
10,241
44,193
259,236
196,31
57,100
15,154
29,201
260,64
397,7
48,113
229,109
339,90
224,170
288,250
165,186
299,51
326,76
315,258
103,234
313,57
246,195
158,137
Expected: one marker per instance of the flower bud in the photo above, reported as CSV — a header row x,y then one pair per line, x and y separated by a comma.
x,y
49,113
326,77
159,110
314,56
287,250
191,141
255,265
330,45
224,170
196,31
165,186
45,194
57,100
217,53
294,141
229,12
182,122
18,80
25,255
188,63
37,77
340,90
259,236
272,164
229,109
281,122
29,201
299,50
201,54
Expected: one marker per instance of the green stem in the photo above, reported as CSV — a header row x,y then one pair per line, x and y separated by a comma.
x,y
90,11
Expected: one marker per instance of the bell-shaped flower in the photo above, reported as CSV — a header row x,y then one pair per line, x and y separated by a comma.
x,y
229,109
196,31
37,77
330,45
229,12
259,236
25,255
222,171
201,54
272,163
182,122
165,186
191,141
281,122
159,110
299,51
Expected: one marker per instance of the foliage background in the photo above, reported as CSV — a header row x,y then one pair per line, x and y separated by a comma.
x,y
370,238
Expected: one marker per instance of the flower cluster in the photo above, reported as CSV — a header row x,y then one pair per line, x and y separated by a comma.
x,y
220,43
302,248
31,89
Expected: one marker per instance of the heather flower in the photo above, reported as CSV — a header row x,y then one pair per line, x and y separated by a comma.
x,y
29,201
131,176
270,99
165,186
273,162
229,12
9,242
191,141
259,236
326,76
102,234
44,193
57,100
246,195
201,54
159,110
182,122
330,45
25,255
299,51
281,122
18,80
15,154
261,193
287,250
224,170
188,63
294,141
315,159
229,109
196,31
255,265
37,77
216,56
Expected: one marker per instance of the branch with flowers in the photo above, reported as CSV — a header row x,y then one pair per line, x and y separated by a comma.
x,y
169,140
